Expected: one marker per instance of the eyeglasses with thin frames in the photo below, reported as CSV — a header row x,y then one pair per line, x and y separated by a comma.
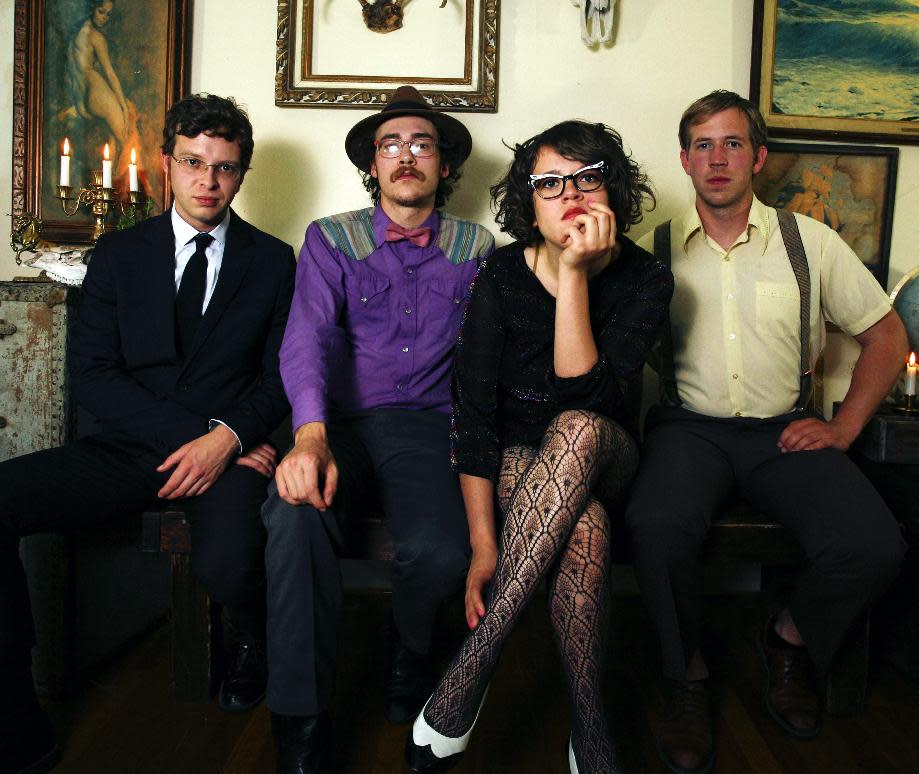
x,y
420,148
226,170
585,179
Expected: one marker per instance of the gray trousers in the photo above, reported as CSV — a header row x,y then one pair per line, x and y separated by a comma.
x,y
404,457
692,464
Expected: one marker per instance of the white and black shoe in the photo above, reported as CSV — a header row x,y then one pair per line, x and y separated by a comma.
x,y
429,751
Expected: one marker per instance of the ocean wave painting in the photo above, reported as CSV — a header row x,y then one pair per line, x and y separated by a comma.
x,y
849,59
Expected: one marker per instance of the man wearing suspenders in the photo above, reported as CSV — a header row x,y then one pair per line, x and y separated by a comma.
x,y
753,288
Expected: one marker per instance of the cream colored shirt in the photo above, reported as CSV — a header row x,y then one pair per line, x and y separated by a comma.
x,y
735,314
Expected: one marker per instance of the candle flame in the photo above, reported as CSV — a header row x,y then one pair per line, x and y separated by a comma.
x,y
133,156
912,359
105,152
66,147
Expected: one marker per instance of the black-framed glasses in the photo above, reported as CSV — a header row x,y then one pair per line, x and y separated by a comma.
x,y
226,170
585,179
420,147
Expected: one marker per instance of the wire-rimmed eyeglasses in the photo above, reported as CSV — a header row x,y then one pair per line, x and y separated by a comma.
x,y
585,179
226,170
420,147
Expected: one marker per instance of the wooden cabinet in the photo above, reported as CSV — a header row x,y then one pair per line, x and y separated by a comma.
x,y
93,590
34,399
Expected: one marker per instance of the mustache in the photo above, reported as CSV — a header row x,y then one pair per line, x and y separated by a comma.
x,y
407,170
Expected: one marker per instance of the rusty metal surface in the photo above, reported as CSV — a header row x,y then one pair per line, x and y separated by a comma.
x,y
34,395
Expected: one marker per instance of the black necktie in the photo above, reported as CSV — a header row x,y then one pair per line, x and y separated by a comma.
x,y
190,297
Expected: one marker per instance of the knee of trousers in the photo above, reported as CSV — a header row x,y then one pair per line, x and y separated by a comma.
x,y
231,572
871,561
291,529
435,564
666,537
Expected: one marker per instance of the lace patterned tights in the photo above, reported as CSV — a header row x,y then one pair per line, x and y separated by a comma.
x,y
551,524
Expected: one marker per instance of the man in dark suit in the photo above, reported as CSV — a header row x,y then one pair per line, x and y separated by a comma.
x,y
175,351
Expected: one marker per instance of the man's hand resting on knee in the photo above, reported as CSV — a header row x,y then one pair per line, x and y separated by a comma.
x,y
308,474
198,463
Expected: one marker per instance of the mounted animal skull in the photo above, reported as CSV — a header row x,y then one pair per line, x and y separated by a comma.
x,y
597,18
384,15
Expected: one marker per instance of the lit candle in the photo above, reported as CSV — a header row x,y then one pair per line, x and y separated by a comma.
x,y
65,164
132,172
106,168
911,370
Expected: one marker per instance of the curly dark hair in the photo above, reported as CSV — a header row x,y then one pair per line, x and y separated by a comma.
x,y
444,187
716,102
214,116
627,186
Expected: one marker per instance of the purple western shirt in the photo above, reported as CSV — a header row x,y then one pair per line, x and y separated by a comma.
x,y
377,332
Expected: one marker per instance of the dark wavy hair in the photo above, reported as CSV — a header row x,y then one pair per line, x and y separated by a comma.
x,y
716,102
214,116
627,186
444,188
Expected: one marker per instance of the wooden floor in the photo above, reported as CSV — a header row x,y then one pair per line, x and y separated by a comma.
x,y
126,722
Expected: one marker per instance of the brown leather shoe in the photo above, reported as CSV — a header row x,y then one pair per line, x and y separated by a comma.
x,y
791,692
684,735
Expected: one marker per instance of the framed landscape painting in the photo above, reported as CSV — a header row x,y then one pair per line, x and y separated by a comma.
x,y
844,69
850,188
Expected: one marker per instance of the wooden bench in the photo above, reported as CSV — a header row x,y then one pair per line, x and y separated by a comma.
x,y
740,535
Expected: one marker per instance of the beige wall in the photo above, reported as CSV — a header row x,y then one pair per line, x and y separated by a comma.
x,y
666,53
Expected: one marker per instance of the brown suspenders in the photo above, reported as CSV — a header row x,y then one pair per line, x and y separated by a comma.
x,y
791,236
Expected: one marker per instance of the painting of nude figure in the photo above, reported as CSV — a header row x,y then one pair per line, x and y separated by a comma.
x,y
109,71
850,188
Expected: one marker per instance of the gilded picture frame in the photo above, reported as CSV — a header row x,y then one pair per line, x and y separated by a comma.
x,y
850,188
328,57
91,73
848,73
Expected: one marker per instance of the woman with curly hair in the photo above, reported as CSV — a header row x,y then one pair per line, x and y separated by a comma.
x,y
547,373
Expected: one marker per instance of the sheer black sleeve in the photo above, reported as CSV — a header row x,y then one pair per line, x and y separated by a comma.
x,y
475,446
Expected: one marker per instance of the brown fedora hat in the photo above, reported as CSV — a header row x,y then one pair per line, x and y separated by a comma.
x,y
406,101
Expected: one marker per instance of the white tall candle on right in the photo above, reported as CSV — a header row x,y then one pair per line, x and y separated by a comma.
x,y
65,164
912,368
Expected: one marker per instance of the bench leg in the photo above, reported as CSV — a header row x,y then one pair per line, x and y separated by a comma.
x,y
847,682
192,634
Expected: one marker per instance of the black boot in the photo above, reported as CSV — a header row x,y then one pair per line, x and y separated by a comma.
x,y
243,687
302,745
408,683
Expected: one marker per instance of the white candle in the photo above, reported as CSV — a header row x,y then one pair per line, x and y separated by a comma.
x,y
911,370
106,168
132,172
65,164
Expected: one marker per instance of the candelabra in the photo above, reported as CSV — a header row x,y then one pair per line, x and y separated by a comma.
x,y
100,200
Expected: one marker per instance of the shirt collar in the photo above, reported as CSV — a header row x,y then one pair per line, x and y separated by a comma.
x,y
381,220
758,220
184,232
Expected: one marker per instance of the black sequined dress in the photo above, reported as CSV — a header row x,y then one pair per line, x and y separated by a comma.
x,y
505,391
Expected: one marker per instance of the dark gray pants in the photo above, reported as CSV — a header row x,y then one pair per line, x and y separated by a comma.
x,y
94,480
404,456
691,464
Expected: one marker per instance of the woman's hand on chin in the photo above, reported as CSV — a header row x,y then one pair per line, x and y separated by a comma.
x,y
481,571
589,237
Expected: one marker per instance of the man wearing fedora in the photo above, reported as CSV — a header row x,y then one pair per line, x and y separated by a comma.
x,y
366,362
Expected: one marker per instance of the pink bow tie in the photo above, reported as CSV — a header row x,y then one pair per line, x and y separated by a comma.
x,y
420,237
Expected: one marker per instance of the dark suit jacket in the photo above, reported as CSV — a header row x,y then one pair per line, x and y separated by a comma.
x,y
123,358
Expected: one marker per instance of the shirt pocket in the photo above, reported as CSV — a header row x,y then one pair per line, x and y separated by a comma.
x,y
448,302
368,301
778,309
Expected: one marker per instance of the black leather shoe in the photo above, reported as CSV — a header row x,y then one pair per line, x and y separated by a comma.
x,y
244,685
408,683
28,746
302,745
